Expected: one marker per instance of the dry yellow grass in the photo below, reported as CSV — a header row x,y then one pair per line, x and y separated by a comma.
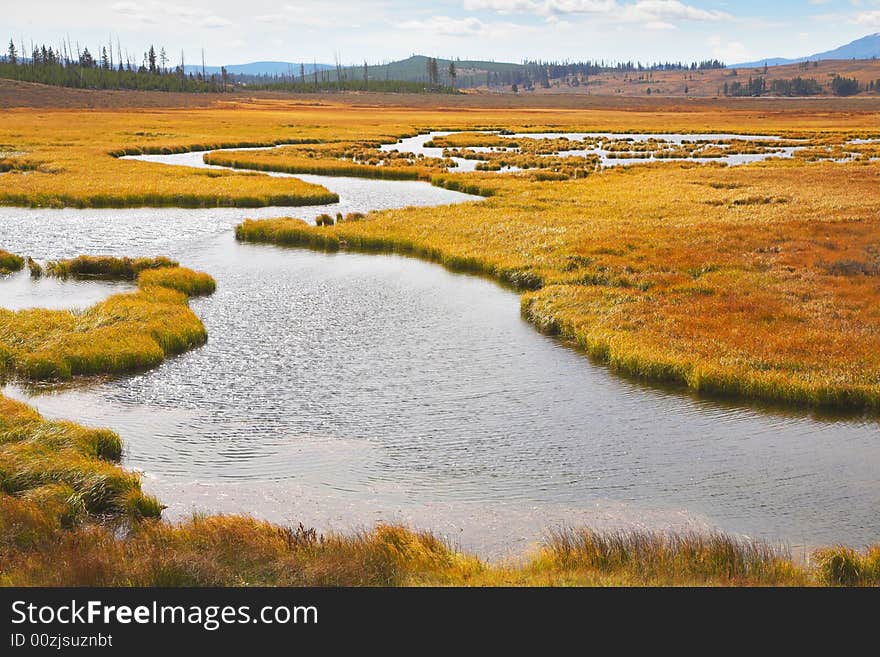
x,y
711,82
757,281
126,332
58,478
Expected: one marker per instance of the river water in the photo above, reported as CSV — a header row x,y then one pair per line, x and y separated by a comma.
x,y
339,390
416,146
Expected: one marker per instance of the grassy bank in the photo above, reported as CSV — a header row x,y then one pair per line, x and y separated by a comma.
x,y
65,500
57,475
268,161
241,551
754,282
125,333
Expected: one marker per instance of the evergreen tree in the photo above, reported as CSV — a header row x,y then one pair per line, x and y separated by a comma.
x,y
845,86
86,60
12,53
433,70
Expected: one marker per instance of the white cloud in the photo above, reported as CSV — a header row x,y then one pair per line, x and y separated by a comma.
x,y
213,21
269,19
150,13
660,25
728,51
868,18
125,7
446,26
641,11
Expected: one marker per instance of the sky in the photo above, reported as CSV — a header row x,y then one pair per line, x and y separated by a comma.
x,y
239,31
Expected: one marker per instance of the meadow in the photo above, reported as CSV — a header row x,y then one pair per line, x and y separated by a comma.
x,y
757,282
710,82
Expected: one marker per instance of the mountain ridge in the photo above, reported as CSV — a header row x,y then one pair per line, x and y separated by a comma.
x,y
413,67
867,47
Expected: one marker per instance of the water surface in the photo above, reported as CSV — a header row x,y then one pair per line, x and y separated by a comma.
x,y
344,389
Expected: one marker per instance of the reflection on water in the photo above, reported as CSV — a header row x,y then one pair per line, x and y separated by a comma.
x,y
345,389
19,291
379,385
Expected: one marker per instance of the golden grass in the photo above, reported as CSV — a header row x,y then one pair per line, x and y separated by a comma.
x,y
241,551
64,472
283,161
9,262
758,281
72,151
189,282
125,333
106,267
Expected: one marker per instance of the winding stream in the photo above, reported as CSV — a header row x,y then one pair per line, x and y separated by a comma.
x,y
342,389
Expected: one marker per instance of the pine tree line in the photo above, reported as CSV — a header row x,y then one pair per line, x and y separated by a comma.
x,y
79,68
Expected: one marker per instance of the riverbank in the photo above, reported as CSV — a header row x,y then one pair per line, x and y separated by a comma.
x,y
79,509
664,272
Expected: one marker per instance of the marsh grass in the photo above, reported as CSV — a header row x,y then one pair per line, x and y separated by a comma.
x,y
65,500
295,232
241,551
125,333
106,267
189,282
35,268
9,262
70,472
323,167
788,319
670,558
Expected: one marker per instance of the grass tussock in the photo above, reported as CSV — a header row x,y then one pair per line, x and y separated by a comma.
x,y
9,262
106,267
843,566
68,472
666,559
125,333
189,282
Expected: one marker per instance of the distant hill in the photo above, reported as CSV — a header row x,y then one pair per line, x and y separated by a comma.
x,y
261,68
865,48
415,69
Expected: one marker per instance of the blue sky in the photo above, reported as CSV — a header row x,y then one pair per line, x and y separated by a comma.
x,y
508,30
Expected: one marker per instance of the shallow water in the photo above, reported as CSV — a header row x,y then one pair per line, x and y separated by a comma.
x,y
18,291
416,146
343,389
